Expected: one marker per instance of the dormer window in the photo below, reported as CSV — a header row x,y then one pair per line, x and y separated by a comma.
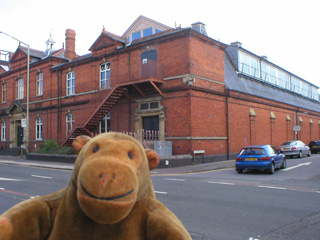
x,y
142,33
136,35
147,32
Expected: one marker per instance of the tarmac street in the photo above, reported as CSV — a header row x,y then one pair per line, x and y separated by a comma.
x,y
212,200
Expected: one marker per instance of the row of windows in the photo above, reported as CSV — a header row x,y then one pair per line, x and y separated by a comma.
x,y
38,129
105,75
260,69
104,126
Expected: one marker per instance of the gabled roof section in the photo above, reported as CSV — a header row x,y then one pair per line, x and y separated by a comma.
x,y
33,52
143,22
106,39
3,68
22,52
16,106
57,54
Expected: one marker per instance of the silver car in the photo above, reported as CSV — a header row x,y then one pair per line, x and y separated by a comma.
x,y
294,148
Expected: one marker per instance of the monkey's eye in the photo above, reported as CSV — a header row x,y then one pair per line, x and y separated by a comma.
x,y
95,149
130,155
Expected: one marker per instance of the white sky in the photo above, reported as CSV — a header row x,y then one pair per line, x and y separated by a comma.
x,y
286,31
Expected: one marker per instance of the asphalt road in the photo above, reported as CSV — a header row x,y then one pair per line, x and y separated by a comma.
x,y
212,205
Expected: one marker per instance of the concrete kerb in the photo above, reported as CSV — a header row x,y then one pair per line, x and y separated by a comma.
x,y
68,165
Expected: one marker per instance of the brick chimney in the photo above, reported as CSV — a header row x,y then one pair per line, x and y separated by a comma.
x,y
70,44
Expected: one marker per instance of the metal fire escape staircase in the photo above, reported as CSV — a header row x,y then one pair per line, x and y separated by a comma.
x,y
87,128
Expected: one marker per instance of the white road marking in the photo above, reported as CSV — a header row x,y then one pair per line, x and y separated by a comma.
x,y
2,189
317,191
224,183
299,165
34,196
37,176
160,192
9,179
272,187
175,179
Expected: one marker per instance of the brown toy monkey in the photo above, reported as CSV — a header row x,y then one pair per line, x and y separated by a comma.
x,y
109,196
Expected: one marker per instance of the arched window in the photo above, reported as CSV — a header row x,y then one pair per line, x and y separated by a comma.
x,y
105,123
71,79
39,87
39,128
105,73
3,130
69,123
4,92
20,88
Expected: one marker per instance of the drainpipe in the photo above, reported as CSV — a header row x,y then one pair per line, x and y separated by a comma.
x,y
59,76
227,116
129,117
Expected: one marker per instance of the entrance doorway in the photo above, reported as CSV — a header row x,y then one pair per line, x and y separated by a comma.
x,y
151,123
151,127
20,136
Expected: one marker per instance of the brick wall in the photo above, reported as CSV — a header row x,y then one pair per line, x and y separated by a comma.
x,y
195,112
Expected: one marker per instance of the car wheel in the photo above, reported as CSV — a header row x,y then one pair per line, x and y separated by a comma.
x,y
271,171
309,153
239,170
284,164
300,154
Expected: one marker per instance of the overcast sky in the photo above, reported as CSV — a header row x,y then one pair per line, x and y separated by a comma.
x,y
286,31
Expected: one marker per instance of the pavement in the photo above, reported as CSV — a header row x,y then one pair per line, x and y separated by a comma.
x,y
22,161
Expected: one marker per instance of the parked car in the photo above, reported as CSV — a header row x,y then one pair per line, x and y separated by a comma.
x,y
295,148
260,157
314,146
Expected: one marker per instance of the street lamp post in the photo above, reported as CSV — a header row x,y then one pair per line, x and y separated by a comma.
x,y
28,84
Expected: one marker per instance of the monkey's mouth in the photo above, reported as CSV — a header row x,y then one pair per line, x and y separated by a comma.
x,y
105,198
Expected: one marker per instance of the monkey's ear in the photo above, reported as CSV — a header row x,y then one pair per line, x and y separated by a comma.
x,y
79,142
153,159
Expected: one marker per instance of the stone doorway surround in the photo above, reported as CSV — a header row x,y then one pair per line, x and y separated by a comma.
x,y
16,112
150,107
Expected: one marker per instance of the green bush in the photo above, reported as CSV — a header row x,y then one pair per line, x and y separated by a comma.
x,y
52,147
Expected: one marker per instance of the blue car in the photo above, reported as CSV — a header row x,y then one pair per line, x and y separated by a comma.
x,y
260,157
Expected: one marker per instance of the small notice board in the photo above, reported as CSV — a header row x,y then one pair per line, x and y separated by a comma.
x,y
23,122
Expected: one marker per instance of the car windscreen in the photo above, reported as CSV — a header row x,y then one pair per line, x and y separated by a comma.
x,y
287,143
253,151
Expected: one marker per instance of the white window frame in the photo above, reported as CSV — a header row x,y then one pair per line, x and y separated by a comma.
x,y
39,84
3,131
70,84
20,88
105,121
69,123
105,75
39,128
4,92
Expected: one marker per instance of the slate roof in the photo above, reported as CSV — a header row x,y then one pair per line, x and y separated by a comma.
x,y
33,52
265,90
41,55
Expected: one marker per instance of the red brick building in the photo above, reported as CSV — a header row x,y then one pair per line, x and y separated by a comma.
x,y
196,92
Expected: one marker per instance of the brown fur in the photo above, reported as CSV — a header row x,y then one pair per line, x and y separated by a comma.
x,y
109,196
